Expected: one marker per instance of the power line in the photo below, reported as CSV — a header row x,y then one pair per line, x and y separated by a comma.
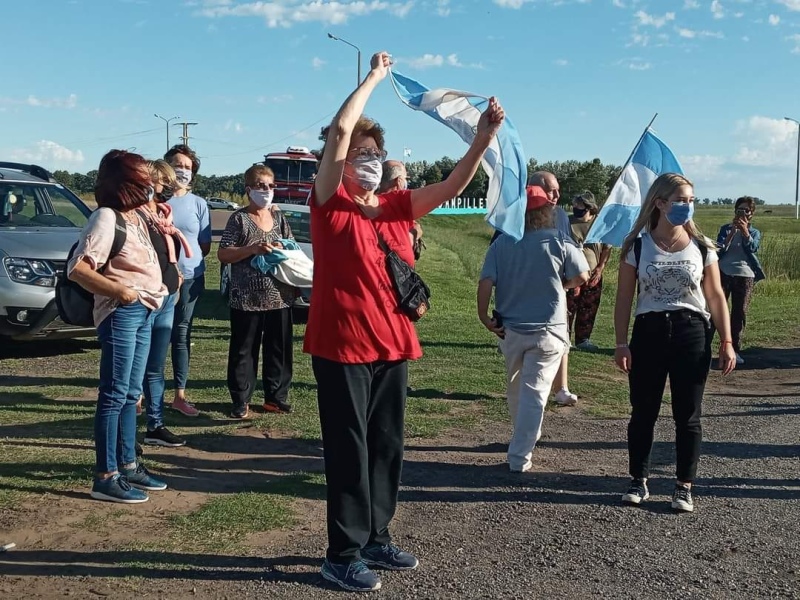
x,y
91,141
283,139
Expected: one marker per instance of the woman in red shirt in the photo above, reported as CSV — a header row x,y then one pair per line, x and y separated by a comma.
x,y
358,337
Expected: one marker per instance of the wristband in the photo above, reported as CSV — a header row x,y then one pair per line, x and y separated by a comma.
x,y
622,345
723,342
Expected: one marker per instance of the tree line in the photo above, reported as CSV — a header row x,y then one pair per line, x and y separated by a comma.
x,y
574,177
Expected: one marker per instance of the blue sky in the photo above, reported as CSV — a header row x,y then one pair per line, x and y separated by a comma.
x,y
580,78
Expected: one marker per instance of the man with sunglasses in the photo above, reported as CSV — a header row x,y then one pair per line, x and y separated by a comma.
x,y
739,266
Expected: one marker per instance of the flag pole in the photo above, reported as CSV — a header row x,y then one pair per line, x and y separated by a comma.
x,y
636,147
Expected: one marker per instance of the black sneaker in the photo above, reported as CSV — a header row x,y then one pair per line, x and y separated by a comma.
x,y
389,557
353,577
277,406
161,436
682,499
637,492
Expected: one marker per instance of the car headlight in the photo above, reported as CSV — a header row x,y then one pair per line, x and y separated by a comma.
x,y
30,271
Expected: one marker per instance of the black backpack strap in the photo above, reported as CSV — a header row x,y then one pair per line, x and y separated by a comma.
x,y
120,237
637,252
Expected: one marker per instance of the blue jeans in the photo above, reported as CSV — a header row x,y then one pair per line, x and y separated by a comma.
x,y
124,344
182,328
154,371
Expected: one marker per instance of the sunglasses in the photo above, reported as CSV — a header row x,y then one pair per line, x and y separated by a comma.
x,y
261,186
370,153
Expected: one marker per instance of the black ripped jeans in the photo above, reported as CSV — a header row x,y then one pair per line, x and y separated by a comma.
x,y
675,344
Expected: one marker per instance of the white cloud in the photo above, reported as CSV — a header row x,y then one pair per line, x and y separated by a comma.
x,y
426,61
635,64
795,39
692,34
766,142
561,62
717,10
511,3
443,8
618,3
50,154
774,19
791,4
289,12
317,62
704,167
691,4
234,126
70,101
653,20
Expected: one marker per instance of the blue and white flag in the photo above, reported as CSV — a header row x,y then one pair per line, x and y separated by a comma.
x,y
620,211
504,160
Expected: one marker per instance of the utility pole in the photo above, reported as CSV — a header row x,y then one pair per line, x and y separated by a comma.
x,y
166,122
185,136
797,172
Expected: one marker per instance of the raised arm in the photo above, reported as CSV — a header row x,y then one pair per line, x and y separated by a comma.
x,y
426,199
329,174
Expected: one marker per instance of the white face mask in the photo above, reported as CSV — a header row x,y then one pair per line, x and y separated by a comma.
x,y
368,172
261,198
184,176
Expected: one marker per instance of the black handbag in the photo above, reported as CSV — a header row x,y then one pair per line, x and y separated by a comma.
x,y
413,295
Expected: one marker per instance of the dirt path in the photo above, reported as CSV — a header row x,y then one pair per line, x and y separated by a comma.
x,y
480,531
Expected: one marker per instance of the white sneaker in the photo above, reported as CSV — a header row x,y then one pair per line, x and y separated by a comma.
x,y
565,398
587,345
739,359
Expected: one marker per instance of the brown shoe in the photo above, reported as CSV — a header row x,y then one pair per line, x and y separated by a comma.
x,y
278,406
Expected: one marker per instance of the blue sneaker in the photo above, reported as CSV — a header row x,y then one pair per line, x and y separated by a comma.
x,y
354,577
141,478
388,556
117,489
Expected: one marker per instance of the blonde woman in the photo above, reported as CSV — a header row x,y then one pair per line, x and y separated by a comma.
x,y
169,244
676,271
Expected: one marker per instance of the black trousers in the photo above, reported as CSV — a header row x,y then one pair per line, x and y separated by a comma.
x,y
361,413
675,345
269,332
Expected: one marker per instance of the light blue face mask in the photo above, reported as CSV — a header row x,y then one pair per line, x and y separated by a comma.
x,y
680,213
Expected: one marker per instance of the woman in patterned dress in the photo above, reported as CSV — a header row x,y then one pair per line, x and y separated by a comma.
x,y
260,305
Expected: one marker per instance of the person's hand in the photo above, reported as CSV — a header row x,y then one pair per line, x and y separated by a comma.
x,y
597,274
491,325
491,119
127,296
744,227
576,291
277,246
622,357
727,358
258,249
380,64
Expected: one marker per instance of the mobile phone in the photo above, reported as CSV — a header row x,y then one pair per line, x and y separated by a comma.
x,y
742,212
497,318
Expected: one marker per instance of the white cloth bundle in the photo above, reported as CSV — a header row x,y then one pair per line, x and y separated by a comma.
x,y
297,270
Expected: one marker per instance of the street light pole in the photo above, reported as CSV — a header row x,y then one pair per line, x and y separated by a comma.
x,y
797,172
166,121
338,39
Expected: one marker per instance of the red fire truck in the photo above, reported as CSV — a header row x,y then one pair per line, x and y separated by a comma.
x,y
295,171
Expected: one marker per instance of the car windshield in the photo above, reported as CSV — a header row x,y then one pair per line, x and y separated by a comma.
x,y
288,170
31,204
300,222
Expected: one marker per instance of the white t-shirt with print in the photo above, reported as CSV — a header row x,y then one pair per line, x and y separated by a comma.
x,y
670,280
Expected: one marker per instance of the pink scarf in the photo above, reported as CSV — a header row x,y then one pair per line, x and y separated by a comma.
x,y
163,222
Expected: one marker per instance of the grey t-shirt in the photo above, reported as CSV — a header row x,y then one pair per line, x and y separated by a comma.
x,y
528,276
733,261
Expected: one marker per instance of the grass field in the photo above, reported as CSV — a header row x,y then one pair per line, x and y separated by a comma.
x,y
47,391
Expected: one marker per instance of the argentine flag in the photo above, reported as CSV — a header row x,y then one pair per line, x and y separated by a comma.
x,y
504,160
651,158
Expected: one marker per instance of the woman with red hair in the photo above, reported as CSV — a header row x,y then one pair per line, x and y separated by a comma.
x,y
127,288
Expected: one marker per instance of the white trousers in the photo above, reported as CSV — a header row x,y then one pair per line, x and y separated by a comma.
x,y
532,361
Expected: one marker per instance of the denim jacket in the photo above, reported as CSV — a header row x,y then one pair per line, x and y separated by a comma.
x,y
750,248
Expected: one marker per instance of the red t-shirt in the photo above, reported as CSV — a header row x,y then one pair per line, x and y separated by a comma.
x,y
354,316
